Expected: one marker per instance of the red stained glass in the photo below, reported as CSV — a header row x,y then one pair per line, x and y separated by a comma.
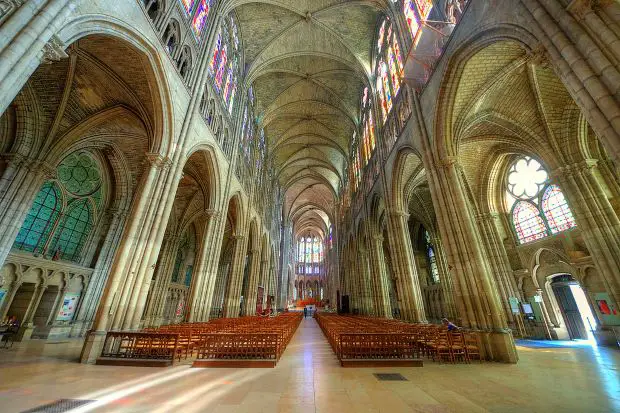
x,y
529,225
556,210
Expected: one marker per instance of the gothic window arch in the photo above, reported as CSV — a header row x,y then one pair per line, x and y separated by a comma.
x,y
310,254
172,37
537,207
184,63
39,222
431,259
65,210
153,9
224,68
389,67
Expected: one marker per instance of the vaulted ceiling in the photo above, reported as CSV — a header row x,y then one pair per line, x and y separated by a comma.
x,y
308,61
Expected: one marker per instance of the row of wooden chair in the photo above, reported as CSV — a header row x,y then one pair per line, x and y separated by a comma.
x,y
371,337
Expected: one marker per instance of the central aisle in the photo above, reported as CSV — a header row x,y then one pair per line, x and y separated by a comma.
x,y
309,379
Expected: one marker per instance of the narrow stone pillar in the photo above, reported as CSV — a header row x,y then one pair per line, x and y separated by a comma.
x,y
249,302
57,303
232,296
8,299
383,307
27,327
406,269
205,273
498,260
161,282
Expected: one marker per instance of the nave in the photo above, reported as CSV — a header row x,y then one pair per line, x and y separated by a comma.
x,y
308,379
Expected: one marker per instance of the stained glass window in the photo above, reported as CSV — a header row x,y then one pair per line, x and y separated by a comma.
x,y
556,210
188,275
538,207
58,233
528,222
188,5
432,260
413,22
224,66
200,17
40,220
389,68
73,231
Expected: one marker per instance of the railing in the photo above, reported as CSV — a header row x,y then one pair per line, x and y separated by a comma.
x,y
382,346
140,346
240,346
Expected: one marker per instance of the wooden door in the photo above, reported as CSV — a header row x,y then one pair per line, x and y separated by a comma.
x,y
570,311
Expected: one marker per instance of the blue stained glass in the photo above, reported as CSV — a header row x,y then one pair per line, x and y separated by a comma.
x,y
40,220
73,231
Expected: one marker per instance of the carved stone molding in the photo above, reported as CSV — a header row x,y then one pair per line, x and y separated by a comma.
x,y
54,51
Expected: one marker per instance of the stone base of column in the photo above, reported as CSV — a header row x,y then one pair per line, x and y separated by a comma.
x,y
92,347
25,332
79,328
499,346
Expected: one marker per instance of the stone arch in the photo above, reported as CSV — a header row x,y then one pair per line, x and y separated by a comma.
x,y
162,120
445,144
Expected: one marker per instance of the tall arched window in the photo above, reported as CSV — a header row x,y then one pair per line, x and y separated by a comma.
x,y
73,231
388,67
39,222
65,210
416,13
309,255
537,207
432,259
224,67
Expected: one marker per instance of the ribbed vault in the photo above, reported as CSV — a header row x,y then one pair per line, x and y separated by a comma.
x,y
307,61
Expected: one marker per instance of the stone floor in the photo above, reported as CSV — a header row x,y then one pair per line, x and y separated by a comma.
x,y
548,378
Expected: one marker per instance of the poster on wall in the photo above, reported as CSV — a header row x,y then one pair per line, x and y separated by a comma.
x,y
609,313
69,304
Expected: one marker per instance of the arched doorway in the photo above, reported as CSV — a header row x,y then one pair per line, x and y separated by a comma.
x,y
572,304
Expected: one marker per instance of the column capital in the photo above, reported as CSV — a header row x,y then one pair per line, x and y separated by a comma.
x,y
237,237
448,162
399,214
213,213
158,161
54,51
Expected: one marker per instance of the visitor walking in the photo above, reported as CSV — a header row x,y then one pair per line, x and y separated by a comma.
x,y
305,312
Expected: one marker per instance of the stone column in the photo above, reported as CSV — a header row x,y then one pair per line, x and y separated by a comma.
x,y
8,299
366,283
249,302
27,39
408,278
498,260
232,296
476,292
591,78
383,307
91,294
204,276
112,310
447,286
161,281
27,327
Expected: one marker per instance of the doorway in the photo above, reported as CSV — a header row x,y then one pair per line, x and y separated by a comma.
x,y
576,311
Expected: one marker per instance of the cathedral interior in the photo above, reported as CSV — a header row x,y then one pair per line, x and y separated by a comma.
x,y
349,205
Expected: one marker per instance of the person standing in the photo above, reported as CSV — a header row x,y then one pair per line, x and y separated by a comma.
x,y
305,312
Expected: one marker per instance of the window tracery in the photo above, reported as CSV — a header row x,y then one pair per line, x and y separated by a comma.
x,y
64,211
224,67
537,207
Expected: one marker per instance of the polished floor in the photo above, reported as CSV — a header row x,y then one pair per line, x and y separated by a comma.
x,y
309,379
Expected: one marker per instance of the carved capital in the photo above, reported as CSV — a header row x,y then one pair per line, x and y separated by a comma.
x,y
539,56
54,51
158,161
